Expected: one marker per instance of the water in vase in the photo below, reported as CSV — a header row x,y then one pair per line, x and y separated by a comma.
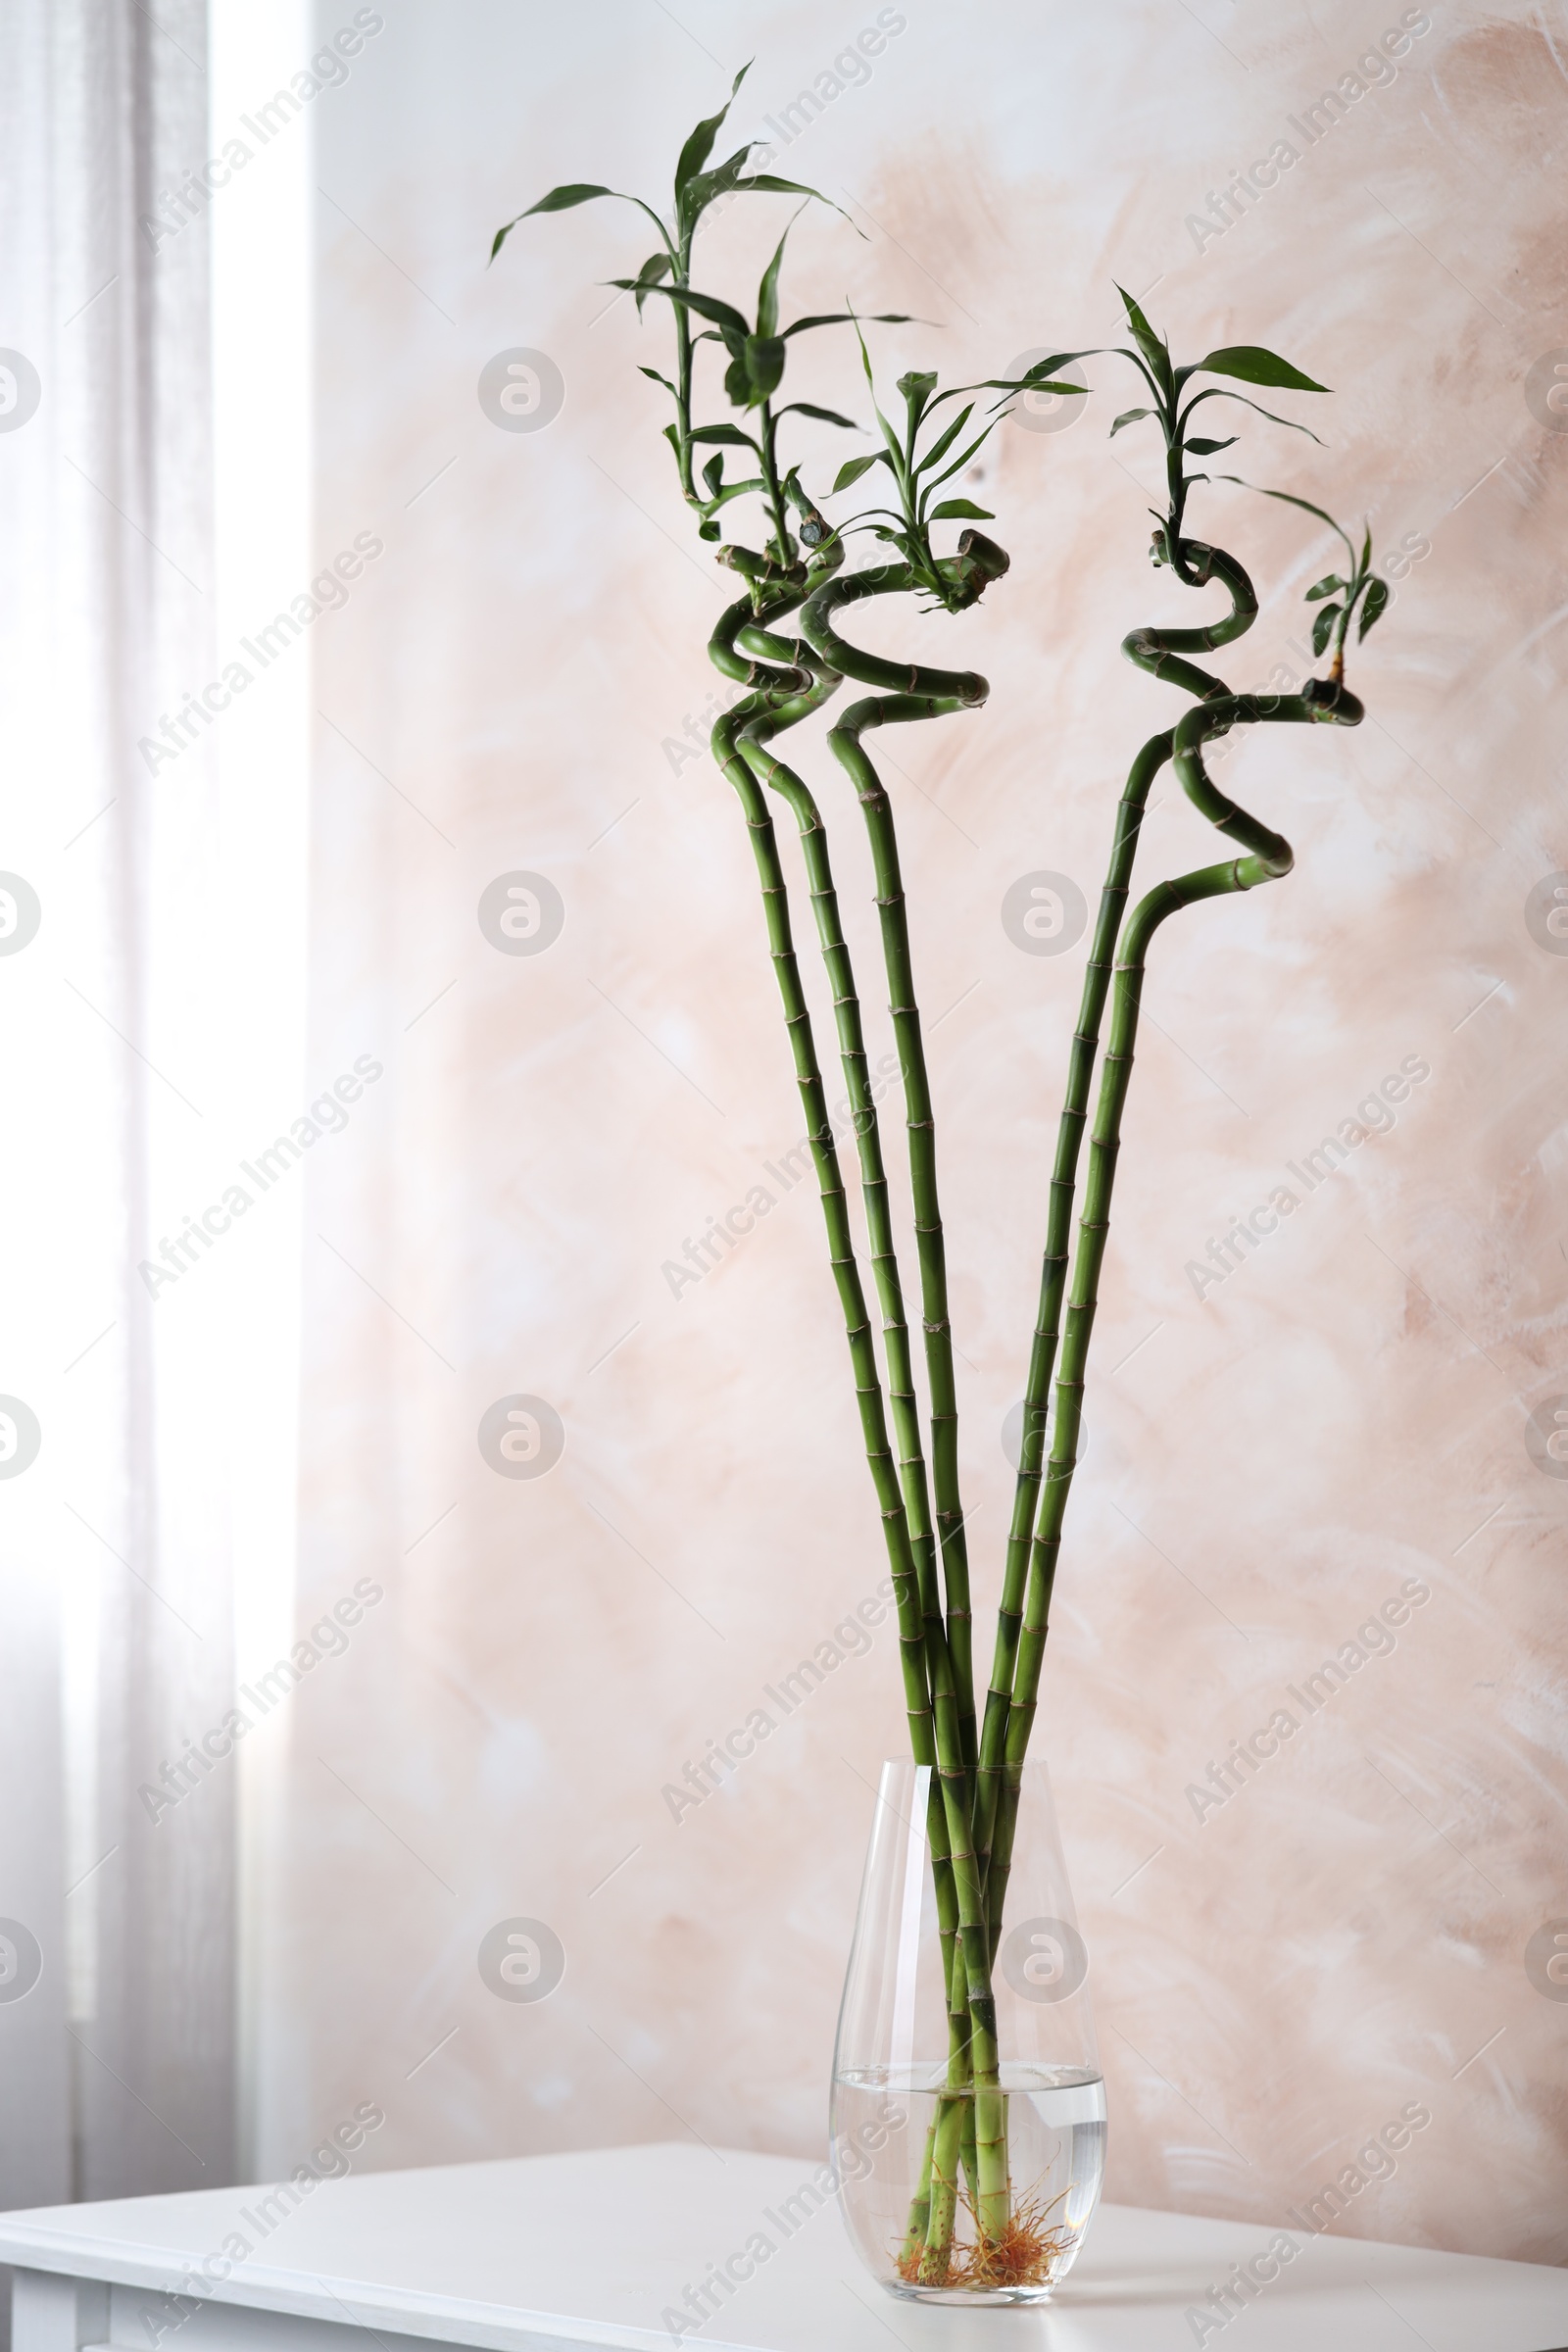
x,y
886,2123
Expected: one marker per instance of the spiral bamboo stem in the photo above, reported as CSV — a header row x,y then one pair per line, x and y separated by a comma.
x,y
1159,652
912,692
1268,858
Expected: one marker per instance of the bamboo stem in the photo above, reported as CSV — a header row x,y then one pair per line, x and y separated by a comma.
x,y
918,694
786,686
1269,858
1154,650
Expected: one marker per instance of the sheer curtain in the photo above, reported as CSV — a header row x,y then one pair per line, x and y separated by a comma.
x,y
117,2065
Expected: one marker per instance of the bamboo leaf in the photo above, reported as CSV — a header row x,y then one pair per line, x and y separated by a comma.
x,y
1324,587
807,407
730,322
851,469
1255,365
1216,392
890,437
562,199
1287,498
648,276
700,146
730,435
851,318
713,472
960,509
699,192
1366,551
1323,626
1128,417
770,185
945,440
767,291
653,374
1210,449
1030,380
1149,343
962,459
1377,600
764,358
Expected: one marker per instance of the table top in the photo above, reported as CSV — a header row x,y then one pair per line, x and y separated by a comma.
x,y
593,2248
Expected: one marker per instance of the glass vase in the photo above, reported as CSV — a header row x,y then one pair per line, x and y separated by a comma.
x,y
961,2184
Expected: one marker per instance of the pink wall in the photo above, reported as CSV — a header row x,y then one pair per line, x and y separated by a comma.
x,y
1268,1465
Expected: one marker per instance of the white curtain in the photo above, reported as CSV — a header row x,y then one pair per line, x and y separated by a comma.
x,y
117,2066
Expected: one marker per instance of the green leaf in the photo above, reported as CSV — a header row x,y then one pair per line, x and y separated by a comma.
x,y
1031,377
960,509
1147,342
562,200
653,373
730,435
1218,392
1287,498
806,408
852,318
559,200
1208,449
1323,627
769,185
713,472
853,468
917,387
731,174
1377,598
1255,365
652,269
700,191
700,146
767,291
726,317
1324,587
764,358
1128,417
945,440
958,462
1366,551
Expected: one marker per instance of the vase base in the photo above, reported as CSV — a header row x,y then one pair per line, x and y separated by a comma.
x,y
967,2297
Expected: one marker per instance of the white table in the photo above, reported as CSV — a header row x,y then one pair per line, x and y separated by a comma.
x,y
545,2253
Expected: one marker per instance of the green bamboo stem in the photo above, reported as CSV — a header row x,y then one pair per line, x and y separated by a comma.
x,y
919,2221
783,699
902,1401
1268,858
789,694
914,693
1156,651
783,686
752,744
917,694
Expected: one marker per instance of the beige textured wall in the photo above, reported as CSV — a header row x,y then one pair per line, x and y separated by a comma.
x,y
1343,1412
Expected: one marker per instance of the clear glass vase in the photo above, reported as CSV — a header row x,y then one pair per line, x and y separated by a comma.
x,y
960,2188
